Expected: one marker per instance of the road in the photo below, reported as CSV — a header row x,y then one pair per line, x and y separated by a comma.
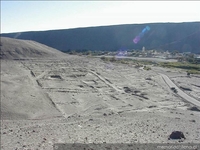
x,y
179,91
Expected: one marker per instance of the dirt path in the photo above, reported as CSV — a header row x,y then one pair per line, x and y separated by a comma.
x,y
179,91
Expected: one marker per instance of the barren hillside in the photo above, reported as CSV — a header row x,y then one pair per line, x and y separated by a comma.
x,y
25,49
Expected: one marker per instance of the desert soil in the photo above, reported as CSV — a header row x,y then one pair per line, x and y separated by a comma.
x,y
85,100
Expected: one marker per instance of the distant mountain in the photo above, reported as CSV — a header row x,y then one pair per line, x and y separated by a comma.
x,y
182,37
26,49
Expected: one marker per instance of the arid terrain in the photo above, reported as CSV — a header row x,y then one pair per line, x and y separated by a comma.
x,y
49,97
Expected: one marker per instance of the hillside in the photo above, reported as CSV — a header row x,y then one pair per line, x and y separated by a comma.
x,y
20,99
181,37
24,49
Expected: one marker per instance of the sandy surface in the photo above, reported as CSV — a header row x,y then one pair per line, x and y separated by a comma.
x,y
85,100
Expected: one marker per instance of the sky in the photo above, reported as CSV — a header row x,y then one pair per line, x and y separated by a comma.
x,y
21,16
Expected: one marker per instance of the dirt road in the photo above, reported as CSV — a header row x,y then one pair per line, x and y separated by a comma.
x,y
179,91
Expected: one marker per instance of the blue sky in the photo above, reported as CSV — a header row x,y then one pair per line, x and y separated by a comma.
x,y
19,16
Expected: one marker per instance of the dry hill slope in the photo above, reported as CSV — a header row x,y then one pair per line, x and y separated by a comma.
x,y
21,97
25,49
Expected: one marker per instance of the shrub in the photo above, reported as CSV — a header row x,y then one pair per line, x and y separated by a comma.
x,y
147,68
103,58
113,59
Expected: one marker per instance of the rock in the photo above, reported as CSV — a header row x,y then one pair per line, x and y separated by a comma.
x,y
192,121
148,78
127,90
56,76
152,106
185,88
176,135
194,108
174,89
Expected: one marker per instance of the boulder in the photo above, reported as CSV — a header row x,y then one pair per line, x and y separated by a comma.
x,y
176,135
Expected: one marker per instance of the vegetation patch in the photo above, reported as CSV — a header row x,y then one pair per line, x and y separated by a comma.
x,y
189,67
147,68
139,63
